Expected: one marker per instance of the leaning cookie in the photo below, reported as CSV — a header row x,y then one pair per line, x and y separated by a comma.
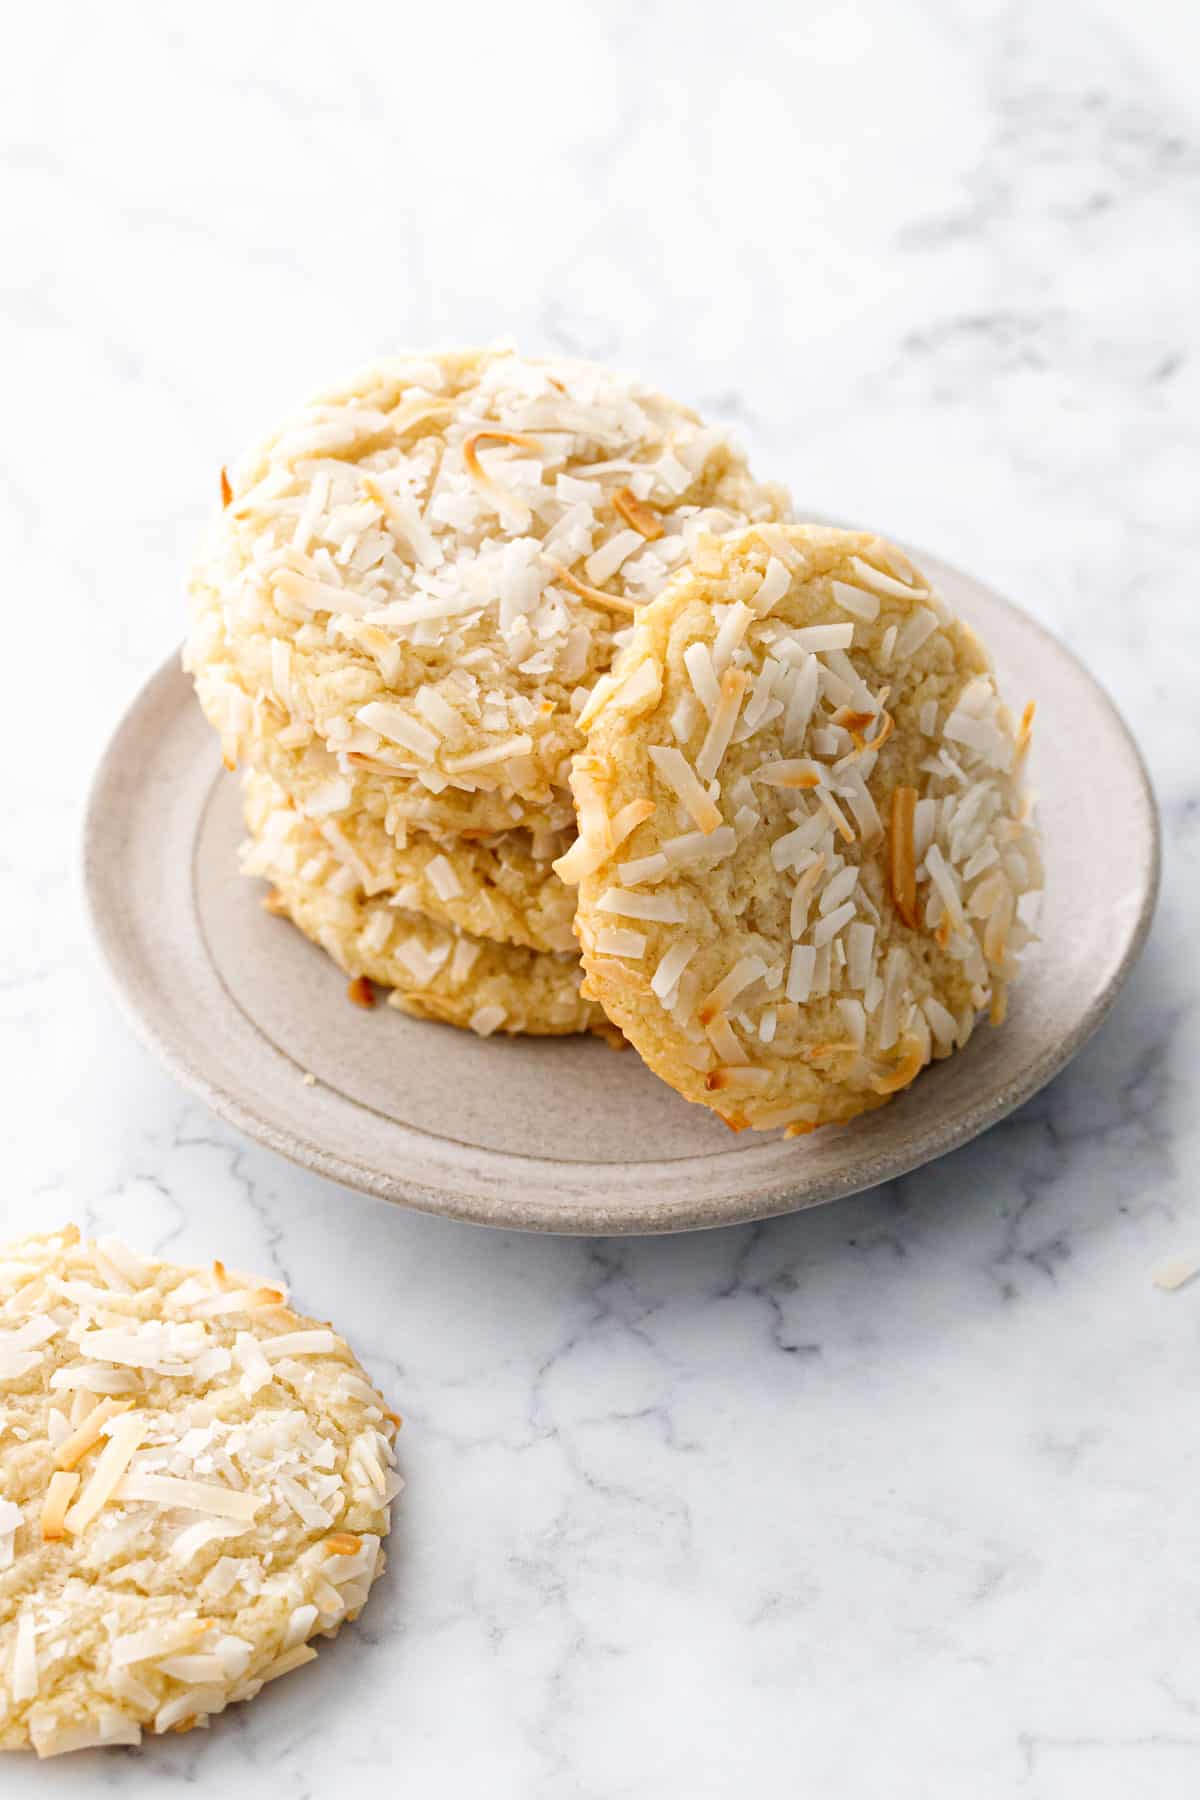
x,y
806,860
427,568
494,887
434,970
195,1483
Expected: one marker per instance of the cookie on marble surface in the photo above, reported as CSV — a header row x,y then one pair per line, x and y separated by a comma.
x,y
428,567
194,1483
435,971
805,848
494,887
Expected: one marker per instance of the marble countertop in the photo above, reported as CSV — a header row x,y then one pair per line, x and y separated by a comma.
x,y
893,1499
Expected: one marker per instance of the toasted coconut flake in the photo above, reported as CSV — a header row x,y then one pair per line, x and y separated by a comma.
x,y
998,1005
1025,728
943,880
734,683
918,626
854,1017
73,1449
608,559
895,562
793,849
23,1680
644,869
995,937
518,745
580,860
377,765
113,1252
700,846
487,1019
411,413
801,969
681,778
790,772
399,727
778,542
60,1491
902,869
1176,1272
819,637
745,971
802,894
855,600
697,660
599,696
638,690
291,1659
595,825
616,940
741,1076
879,583
315,1341
732,630
895,972
342,1543
860,946
774,585
194,1496
193,1538
361,992
123,1440
96,1379
854,722
495,435
817,1053
912,1061
881,737
664,908
858,797
226,489
584,858
844,828
597,596
724,1039
626,821
635,512
666,977
828,926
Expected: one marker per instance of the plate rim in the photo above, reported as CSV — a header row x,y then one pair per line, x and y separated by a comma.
x,y
774,1197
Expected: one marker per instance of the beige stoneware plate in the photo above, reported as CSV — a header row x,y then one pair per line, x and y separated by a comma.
x,y
564,1135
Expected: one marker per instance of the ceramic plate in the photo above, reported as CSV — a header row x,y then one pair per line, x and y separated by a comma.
x,y
563,1134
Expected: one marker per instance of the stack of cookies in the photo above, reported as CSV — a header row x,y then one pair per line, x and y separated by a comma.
x,y
399,617
519,660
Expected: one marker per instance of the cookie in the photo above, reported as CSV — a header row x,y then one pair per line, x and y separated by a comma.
x,y
256,734
428,567
494,887
194,1483
434,970
806,862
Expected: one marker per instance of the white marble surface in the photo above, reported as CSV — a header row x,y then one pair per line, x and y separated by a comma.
x,y
897,1499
